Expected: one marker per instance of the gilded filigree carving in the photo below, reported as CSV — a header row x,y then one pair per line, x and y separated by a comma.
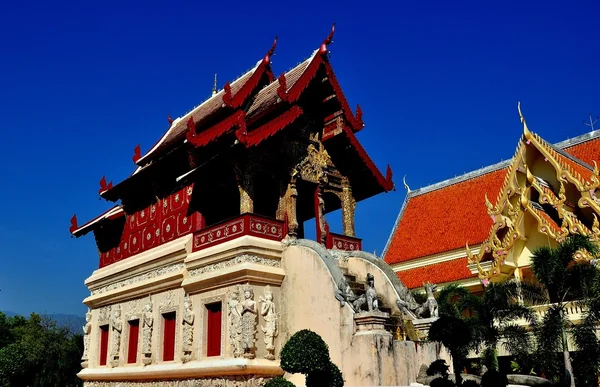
x,y
138,278
267,310
235,321
320,216
292,196
234,261
147,326
87,330
249,317
117,328
244,177
348,208
188,329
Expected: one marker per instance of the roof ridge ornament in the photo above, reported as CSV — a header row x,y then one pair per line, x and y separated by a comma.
x,y
137,153
525,128
405,185
328,40
74,225
271,52
214,89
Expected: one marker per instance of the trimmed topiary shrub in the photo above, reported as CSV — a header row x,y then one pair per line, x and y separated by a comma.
x,y
331,377
279,382
305,352
438,367
441,382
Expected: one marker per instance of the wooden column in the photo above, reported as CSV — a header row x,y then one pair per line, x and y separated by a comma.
x,y
348,208
320,215
245,182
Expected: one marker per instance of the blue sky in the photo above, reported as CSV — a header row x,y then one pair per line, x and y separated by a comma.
x,y
82,84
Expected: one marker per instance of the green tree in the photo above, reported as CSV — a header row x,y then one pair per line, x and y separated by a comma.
x,y
562,278
456,335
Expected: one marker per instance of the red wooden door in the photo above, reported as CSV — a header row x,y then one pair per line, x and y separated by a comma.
x,y
169,336
103,344
213,345
132,348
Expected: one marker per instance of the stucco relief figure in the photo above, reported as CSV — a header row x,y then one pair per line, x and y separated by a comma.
x,y
147,325
344,293
369,297
188,329
235,321
430,307
249,315
117,328
87,330
267,310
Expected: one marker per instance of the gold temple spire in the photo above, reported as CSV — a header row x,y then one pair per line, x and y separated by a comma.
x,y
214,90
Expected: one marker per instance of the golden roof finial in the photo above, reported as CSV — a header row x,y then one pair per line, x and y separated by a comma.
x,y
488,204
525,128
214,90
405,185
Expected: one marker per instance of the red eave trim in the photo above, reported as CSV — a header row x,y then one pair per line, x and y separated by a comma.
x,y
246,90
267,130
385,182
356,122
214,132
112,213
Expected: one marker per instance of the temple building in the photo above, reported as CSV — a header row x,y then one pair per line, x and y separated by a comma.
x,y
484,225
203,271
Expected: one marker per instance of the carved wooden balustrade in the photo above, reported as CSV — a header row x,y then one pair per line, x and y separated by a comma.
x,y
343,242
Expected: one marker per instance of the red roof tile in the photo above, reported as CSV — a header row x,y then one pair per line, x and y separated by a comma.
x,y
444,219
587,151
438,273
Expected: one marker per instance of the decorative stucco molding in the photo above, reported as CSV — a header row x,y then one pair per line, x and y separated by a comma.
x,y
231,381
232,262
138,278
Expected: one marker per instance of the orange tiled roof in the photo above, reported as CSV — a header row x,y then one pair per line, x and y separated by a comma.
x,y
438,273
444,219
587,151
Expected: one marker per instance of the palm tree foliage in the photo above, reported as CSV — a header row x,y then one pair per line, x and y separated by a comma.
x,y
565,279
490,317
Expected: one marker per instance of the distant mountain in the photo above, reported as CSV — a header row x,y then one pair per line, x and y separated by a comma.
x,y
71,321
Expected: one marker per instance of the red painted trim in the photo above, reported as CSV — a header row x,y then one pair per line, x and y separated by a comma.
x,y
73,224
245,224
343,242
132,345
214,329
103,186
256,136
355,121
170,119
385,182
169,336
282,88
137,153
214,132
103,344
318,234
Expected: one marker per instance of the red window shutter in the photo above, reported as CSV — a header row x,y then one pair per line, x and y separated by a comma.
x,y
132,348
103,344
213,345
168,336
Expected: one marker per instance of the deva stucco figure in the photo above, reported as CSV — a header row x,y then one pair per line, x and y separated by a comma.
x,y
188,330
267,310
235,321
249,315
369,297
117,328
430,306
87,330
148,323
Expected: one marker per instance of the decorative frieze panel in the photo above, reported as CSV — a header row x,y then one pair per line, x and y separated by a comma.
x,y
234,261
343,242
231,381
246,224
138,278
159,223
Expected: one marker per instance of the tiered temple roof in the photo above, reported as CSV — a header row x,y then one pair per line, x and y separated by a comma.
x,y
436,222
302,114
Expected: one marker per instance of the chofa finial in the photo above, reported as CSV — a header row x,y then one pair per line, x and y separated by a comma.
x,y
405,185
525,128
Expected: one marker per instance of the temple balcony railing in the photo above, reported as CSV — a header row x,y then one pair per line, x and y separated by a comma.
x,y
250,224
247,224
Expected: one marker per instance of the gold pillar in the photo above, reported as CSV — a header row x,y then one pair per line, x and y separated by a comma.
x,y
245,182
320,214
348,208
292,195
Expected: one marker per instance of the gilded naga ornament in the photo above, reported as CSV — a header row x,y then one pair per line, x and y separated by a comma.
x,y
249,315
147,325
235,321
188,329
267,310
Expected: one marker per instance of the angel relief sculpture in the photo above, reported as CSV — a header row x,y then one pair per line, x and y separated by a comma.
x,y
235,321
267,310
249,315
188,329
